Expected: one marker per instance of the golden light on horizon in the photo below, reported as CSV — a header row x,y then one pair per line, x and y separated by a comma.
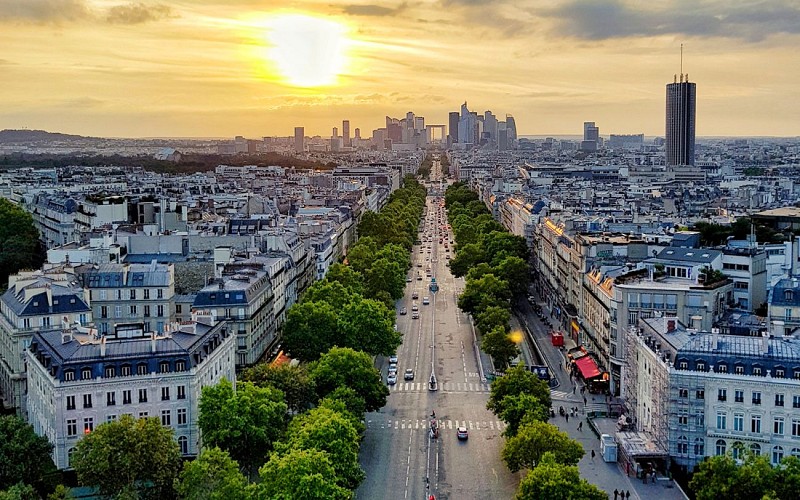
x,y
307,51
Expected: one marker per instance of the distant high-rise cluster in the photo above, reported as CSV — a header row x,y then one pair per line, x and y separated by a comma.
x,y
468,129
680,133
591,137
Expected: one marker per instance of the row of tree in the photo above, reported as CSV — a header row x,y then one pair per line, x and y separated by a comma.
x,y
353,306
521,400
751,476
496,269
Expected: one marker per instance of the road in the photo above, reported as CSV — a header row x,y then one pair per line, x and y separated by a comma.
x,y
400,458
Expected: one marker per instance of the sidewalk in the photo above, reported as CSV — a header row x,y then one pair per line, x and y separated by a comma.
x,y
606,476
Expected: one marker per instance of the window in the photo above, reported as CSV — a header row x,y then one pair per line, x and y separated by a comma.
x,y
160,293
700,419
755,449
126,370
165,394
738,422
777,455
683,419
796,373
117,311
180,365
736,450
133,294
163,367
143,395
146,293
699,447
70,402
70,453
738,370
69,375
683,365
755,424
146,311
701,366
795,401
181,416
143,414
86,373
72,427
181,392
87,400
683,445
779,400
183,442
722,420
700,394
795,427
633,318
796,452
777,426
111,418
722,394
757,371
780,372
88,425
111,398
126,397
738,396
133,310
720,447
166,418
722,368
177,308
109,372
141,369
683,393
160,311
756,398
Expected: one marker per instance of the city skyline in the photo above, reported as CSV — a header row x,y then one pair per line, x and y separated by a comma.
x,y
210,68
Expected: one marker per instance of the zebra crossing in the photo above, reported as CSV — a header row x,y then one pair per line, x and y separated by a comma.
x,y
408,424
560,395
445,387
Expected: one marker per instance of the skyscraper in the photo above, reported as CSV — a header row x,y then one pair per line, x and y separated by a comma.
x,y
591,137
299,139
453,127
511,127
346,133
680,122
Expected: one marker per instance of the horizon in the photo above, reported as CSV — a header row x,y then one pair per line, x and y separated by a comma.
x,y
214,68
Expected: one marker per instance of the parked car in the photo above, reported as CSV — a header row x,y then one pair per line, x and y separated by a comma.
x,y
426,300
393,358
391,379
403,311
462,433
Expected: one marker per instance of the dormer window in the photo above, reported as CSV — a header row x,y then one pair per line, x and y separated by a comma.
x,y
722,368
701,366
141,369
163,367
180,365
86,373
110,372
69,375
788,295
125,370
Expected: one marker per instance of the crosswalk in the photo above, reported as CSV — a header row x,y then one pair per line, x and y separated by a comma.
x,y
560,395
447,424
445,387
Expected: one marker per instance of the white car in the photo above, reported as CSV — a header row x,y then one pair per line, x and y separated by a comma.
x,y
426,300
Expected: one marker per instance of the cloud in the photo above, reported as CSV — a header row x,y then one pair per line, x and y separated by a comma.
x,y
609,19
137,13
43,11
373,10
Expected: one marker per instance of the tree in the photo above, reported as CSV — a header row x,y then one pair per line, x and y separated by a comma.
x,y
345,401
327,430
467,257
213,475
61,492
293,381
480,271
20,491
555,481
24,456
492,317
501,244
533,440
334,293
515,272
484,292
497,343
721,477
245,422
345,367
134,458
347,276
519,409
367,325
517,381
20,247
300,473
385,275
311,328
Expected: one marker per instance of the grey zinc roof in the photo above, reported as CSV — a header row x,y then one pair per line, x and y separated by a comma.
x,y
61,292
699,255
140,275
738,345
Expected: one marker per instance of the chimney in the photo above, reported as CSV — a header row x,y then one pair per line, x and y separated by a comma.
x,y
103,346
153,342
778,328
765,343
714,338
670,325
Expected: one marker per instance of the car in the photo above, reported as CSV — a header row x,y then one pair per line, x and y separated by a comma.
x,y
393,358
419,264
403,311
409,374
419,277
408,279
415,295
462,433
426,300
414,307
415,315
391,379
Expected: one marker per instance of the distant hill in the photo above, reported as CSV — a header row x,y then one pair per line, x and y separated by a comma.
x,y
16,136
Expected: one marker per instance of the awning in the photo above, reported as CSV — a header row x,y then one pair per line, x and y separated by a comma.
x,y
588,367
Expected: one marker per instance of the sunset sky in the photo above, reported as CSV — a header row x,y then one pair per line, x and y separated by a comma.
x,y
218,68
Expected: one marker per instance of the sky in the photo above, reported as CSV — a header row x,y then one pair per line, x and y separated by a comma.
x,y
219,68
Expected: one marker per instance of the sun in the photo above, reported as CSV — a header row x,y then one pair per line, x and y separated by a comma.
x,y
307,51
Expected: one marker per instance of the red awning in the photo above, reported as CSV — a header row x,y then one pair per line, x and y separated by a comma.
x,y
588,367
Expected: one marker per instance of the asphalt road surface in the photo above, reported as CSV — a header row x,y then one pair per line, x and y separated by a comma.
x,y
398,454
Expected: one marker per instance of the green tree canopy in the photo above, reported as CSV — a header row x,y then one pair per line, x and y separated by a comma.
x,y
345,367
20,247
361,255
501,244
351,279
311,328
24,456
245,422
517,381
20,491
294,382
721,477
213,475
385,275
327,430
533,440
132,458
514,271
367,325
479,271
492,317
519,409
300,473
555,481
467,257
498,344
334,293
484,292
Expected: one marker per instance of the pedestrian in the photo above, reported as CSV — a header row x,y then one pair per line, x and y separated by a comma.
x,y
627,494
573,387
583,389
580,426
567,417
584,401
616,494
593,455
